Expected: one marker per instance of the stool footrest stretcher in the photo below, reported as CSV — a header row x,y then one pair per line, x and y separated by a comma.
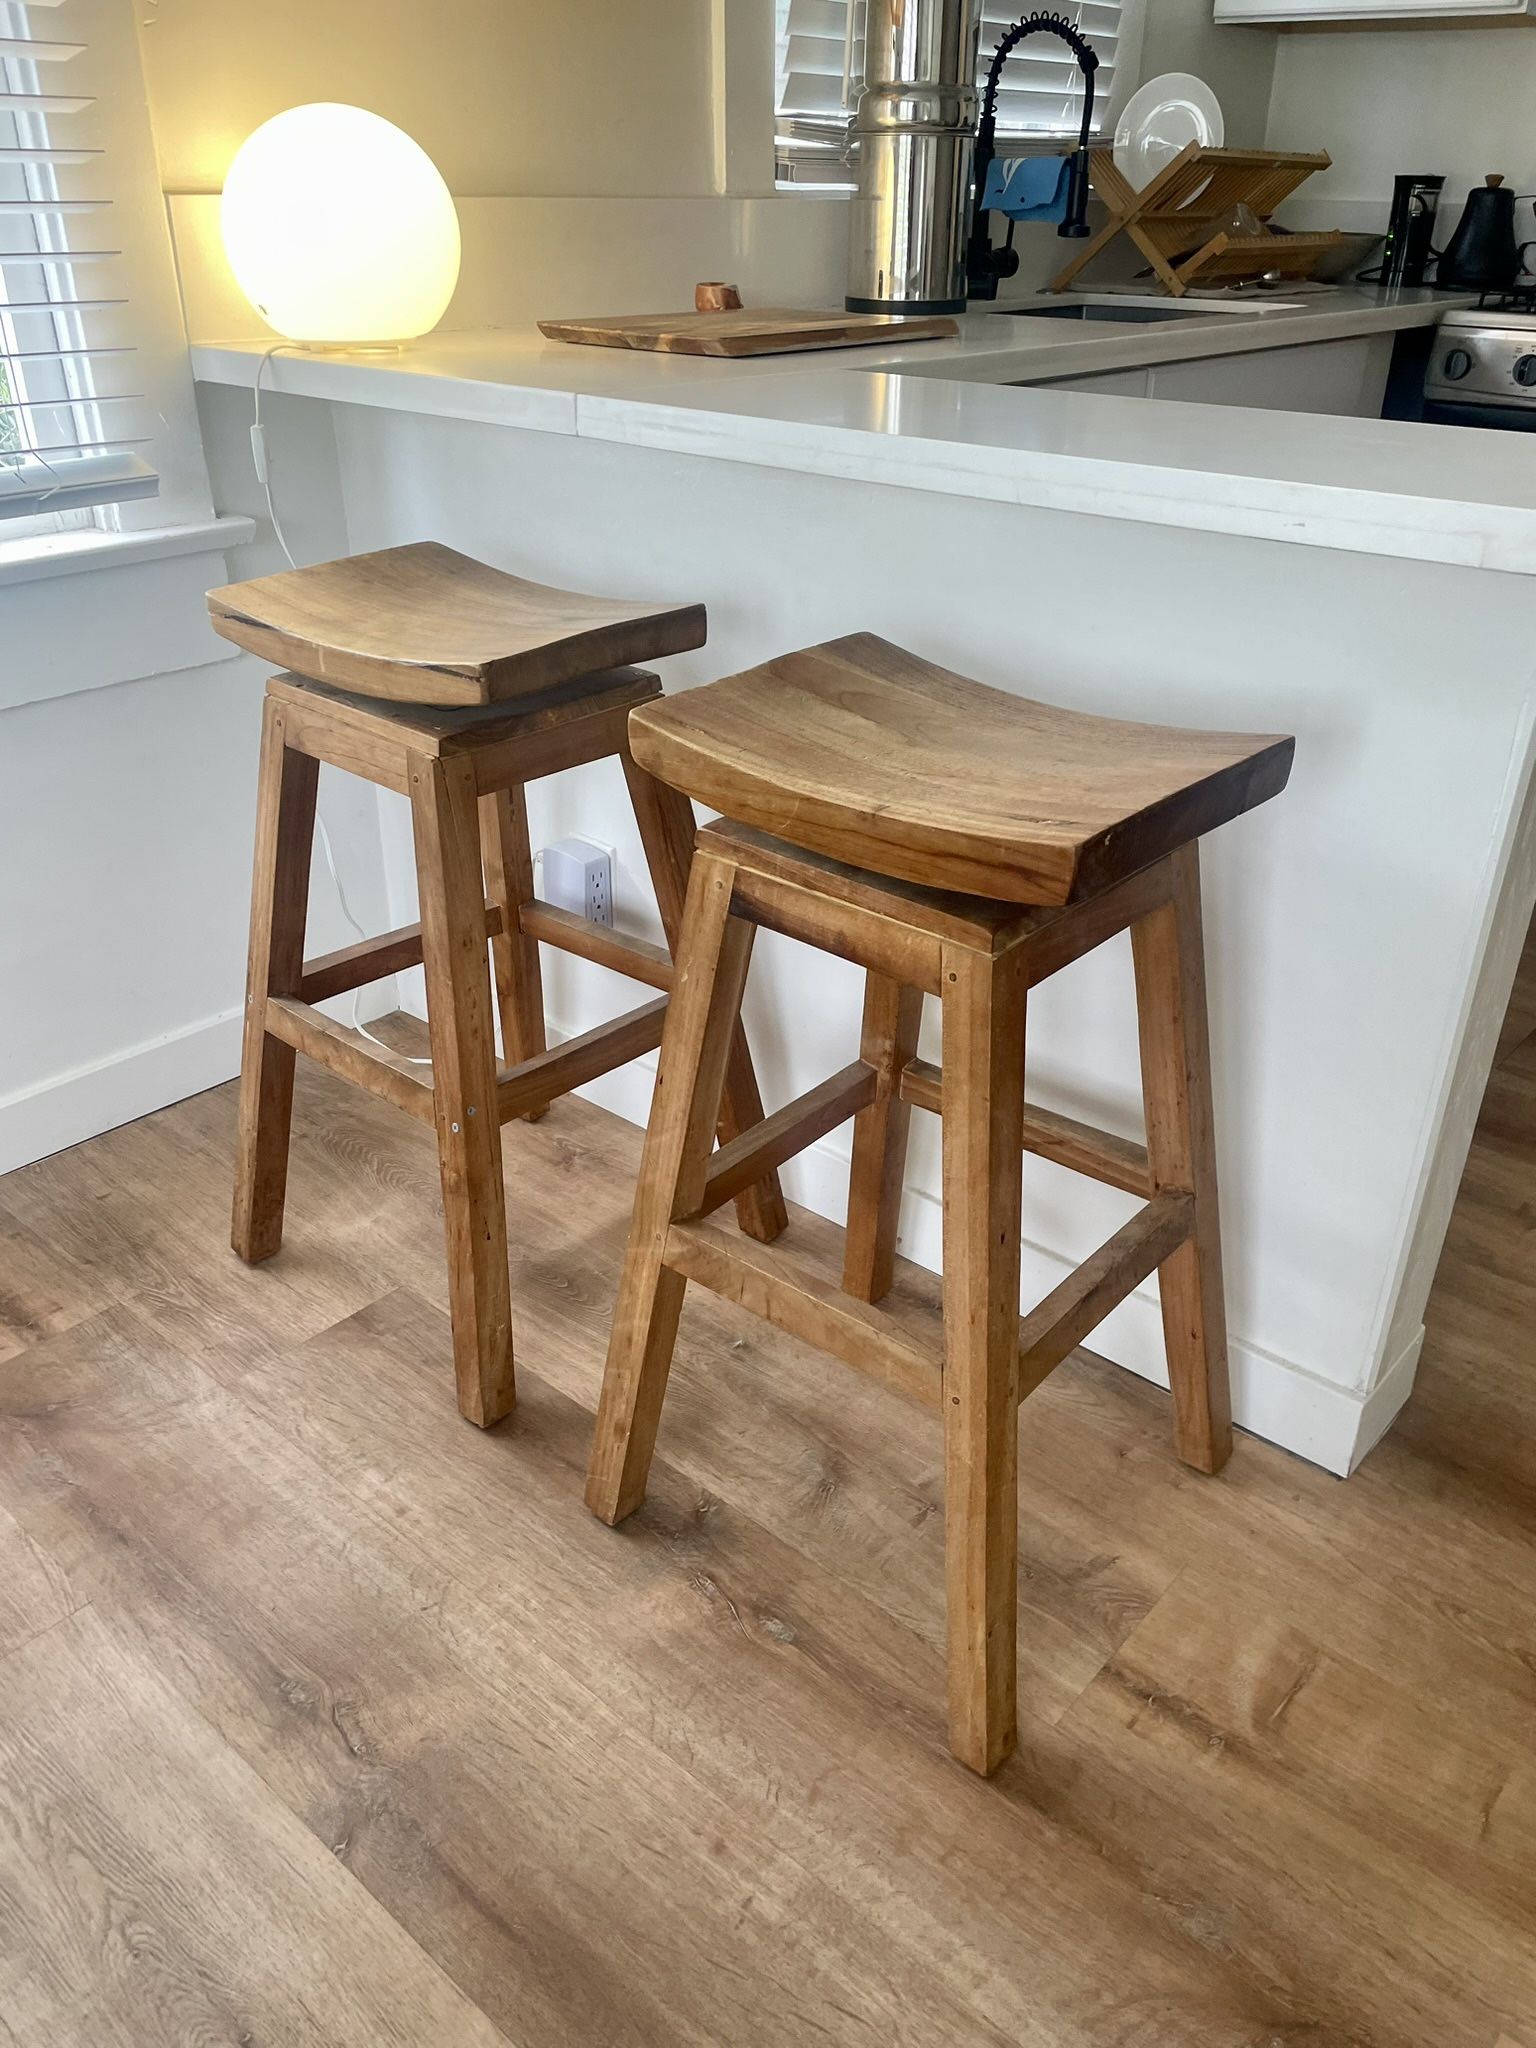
x,y
780,1290
336,974
785,1293
572,933
1056,1326
354,966
1119,1162
531,1085
536,1082
789,1130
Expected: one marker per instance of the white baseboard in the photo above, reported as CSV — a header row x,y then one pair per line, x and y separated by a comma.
x,y
1380,1408
1272,1397
66,1109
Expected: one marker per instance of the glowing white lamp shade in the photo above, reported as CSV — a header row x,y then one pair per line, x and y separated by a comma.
x,y
339,228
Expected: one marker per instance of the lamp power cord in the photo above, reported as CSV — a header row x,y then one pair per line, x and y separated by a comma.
x,y
263,468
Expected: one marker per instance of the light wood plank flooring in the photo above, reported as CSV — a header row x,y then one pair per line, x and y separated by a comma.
x,y
325,1719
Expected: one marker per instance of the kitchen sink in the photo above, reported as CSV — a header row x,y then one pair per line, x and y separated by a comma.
x,y
1127,315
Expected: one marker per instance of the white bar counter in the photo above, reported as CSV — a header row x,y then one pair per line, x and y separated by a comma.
x,y
943,416
1360,584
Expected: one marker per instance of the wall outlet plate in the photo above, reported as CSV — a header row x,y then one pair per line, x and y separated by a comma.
x,y
578,876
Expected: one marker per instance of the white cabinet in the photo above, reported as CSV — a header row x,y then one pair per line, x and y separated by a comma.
x,y
1347,378
1371,13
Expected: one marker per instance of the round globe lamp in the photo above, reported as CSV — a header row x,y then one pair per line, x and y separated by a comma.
x,y
339,229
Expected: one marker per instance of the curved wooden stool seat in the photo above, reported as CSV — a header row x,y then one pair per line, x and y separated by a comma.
x,y
426,625
1081,828
860,750
388,620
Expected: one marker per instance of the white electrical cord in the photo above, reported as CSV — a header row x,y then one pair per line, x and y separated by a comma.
x,y
263,470
259,460
346,910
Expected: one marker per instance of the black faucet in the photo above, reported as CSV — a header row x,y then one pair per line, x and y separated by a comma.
x,y
986,266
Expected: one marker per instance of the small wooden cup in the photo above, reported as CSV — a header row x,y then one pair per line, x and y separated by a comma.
x,y
716,298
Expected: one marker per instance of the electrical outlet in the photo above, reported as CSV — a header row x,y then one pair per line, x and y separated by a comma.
x,y
579,876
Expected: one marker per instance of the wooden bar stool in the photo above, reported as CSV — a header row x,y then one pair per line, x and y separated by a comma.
x,y
456,685
960,842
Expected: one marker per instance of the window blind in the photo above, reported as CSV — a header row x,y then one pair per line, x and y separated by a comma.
x,y
1040,93
1040,97
72,429
820,51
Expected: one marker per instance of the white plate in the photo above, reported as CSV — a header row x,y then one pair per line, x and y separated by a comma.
x,y
1159,119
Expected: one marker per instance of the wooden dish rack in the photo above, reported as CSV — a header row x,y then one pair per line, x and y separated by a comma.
x,y
1177,220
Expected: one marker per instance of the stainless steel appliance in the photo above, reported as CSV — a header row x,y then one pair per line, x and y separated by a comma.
x,y
1482,367
916,129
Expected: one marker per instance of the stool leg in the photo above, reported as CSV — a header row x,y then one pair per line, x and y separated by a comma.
x,y
893,1016
665,818
983,1138
285,827
452,888
712,956
1169,949
515,957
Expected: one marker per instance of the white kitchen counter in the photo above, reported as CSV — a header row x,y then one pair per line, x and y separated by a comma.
x,y
944,416
1136,558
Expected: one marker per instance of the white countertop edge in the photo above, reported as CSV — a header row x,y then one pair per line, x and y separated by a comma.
x,y
389,383
1363,521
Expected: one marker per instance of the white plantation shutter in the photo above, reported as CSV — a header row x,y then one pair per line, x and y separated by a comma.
x,y
1041,90
1040,96
820,68
73,432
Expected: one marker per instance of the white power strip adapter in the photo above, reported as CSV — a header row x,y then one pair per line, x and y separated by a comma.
x,y
576,875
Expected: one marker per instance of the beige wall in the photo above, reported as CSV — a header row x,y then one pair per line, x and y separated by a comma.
x,y
508,96
1237,63
1383,101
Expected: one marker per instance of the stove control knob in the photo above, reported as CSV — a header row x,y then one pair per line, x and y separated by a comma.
x,y
1525,371
1457,363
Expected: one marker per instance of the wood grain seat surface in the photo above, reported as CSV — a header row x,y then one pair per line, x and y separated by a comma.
x,y
874,757
424,624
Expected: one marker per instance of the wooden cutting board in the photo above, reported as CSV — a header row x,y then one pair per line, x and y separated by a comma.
x,y
758,332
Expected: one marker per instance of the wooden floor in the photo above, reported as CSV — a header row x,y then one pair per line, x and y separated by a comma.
x,y
326,1720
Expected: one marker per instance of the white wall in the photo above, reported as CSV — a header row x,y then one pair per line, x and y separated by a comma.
x,y
1383,101
1237,64
125,847
529,96
128,734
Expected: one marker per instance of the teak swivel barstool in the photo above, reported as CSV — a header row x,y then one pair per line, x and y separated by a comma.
x,y
455,684
954,841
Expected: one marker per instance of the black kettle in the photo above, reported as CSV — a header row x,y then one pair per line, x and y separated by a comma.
x,y
1483,254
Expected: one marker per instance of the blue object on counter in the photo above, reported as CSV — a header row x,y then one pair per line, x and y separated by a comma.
x,y
1028,187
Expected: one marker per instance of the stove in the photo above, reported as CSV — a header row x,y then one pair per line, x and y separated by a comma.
x,y
1482,367
1515,298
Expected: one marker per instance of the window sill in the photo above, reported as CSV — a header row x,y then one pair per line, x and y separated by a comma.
x,y
144,618
42,556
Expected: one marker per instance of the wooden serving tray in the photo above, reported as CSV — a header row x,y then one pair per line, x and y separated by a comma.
x,y
759,332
